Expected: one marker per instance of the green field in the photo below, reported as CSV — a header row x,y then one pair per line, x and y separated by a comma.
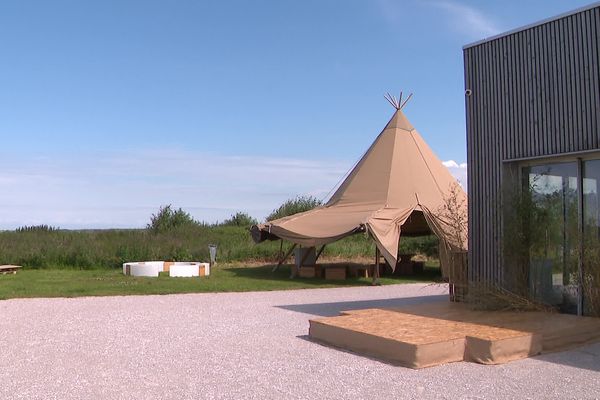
x,y
70,263
229,278
110,248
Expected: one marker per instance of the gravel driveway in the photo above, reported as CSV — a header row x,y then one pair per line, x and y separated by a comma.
x,y
244,346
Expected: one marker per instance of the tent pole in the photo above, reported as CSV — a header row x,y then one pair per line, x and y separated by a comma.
x,y
319,252
280,249
376,267
282,260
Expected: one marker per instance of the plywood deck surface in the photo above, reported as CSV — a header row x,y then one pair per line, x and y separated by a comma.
x,y
437,333
9,269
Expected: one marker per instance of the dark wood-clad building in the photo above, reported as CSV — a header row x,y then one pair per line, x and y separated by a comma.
x,y
533,137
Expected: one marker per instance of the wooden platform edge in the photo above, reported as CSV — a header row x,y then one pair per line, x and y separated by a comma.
x,y
391,351
501,351
504,338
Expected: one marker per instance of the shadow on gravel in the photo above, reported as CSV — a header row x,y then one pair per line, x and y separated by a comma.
x,y
586,357
307,338
334,309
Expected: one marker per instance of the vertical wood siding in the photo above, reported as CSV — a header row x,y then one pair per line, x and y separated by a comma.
x,y
534,93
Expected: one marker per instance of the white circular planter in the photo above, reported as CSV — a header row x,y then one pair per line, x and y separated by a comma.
x,y
146,268
175,269
189,269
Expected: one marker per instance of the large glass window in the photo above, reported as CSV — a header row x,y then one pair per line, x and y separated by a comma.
x,y
560,233
553,227
591,243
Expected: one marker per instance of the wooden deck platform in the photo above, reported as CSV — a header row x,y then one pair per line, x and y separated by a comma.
x,y
9,269
432,334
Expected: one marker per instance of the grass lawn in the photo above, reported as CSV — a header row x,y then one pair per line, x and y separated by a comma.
x,y
224,278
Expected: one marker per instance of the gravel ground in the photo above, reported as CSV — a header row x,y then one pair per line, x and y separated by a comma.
x,y
244,346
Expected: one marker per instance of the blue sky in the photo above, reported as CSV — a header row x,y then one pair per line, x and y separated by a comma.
x,y
109,109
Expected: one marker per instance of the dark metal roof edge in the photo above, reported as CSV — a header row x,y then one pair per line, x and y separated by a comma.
x,y
571,154
532,25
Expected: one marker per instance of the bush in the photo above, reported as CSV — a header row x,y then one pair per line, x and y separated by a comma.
x,y
294,206
167,219
240,219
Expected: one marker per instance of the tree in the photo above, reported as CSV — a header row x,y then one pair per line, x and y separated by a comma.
x,y
240,219
167,219
294,206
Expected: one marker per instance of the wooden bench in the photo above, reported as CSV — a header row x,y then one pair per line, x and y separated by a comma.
x,y
360,271
9,269
335,272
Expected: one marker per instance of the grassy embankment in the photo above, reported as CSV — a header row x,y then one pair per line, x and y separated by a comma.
x,y
88,263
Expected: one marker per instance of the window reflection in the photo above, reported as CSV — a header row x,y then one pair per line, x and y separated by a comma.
x,y
591,244
553,233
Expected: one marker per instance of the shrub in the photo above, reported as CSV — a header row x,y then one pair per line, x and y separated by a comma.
x,y
166,219
240,219
294,206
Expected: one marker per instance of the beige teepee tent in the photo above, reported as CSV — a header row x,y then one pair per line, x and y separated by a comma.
x,y
398,187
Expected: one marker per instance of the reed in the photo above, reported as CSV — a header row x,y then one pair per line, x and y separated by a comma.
x,y
92,249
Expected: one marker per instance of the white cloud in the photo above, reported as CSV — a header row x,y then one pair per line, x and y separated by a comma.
x,y
450,164
467,20
459,17
459,171
124,189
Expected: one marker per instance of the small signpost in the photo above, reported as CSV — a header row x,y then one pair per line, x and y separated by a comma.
x,y
212,250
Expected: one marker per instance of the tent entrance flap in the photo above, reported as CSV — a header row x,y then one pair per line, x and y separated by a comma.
x,y
418,223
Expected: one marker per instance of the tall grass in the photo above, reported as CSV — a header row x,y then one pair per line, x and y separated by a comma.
x,y
110,248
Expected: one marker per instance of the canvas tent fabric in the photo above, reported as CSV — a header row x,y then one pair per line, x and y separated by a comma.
x,y
398,187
